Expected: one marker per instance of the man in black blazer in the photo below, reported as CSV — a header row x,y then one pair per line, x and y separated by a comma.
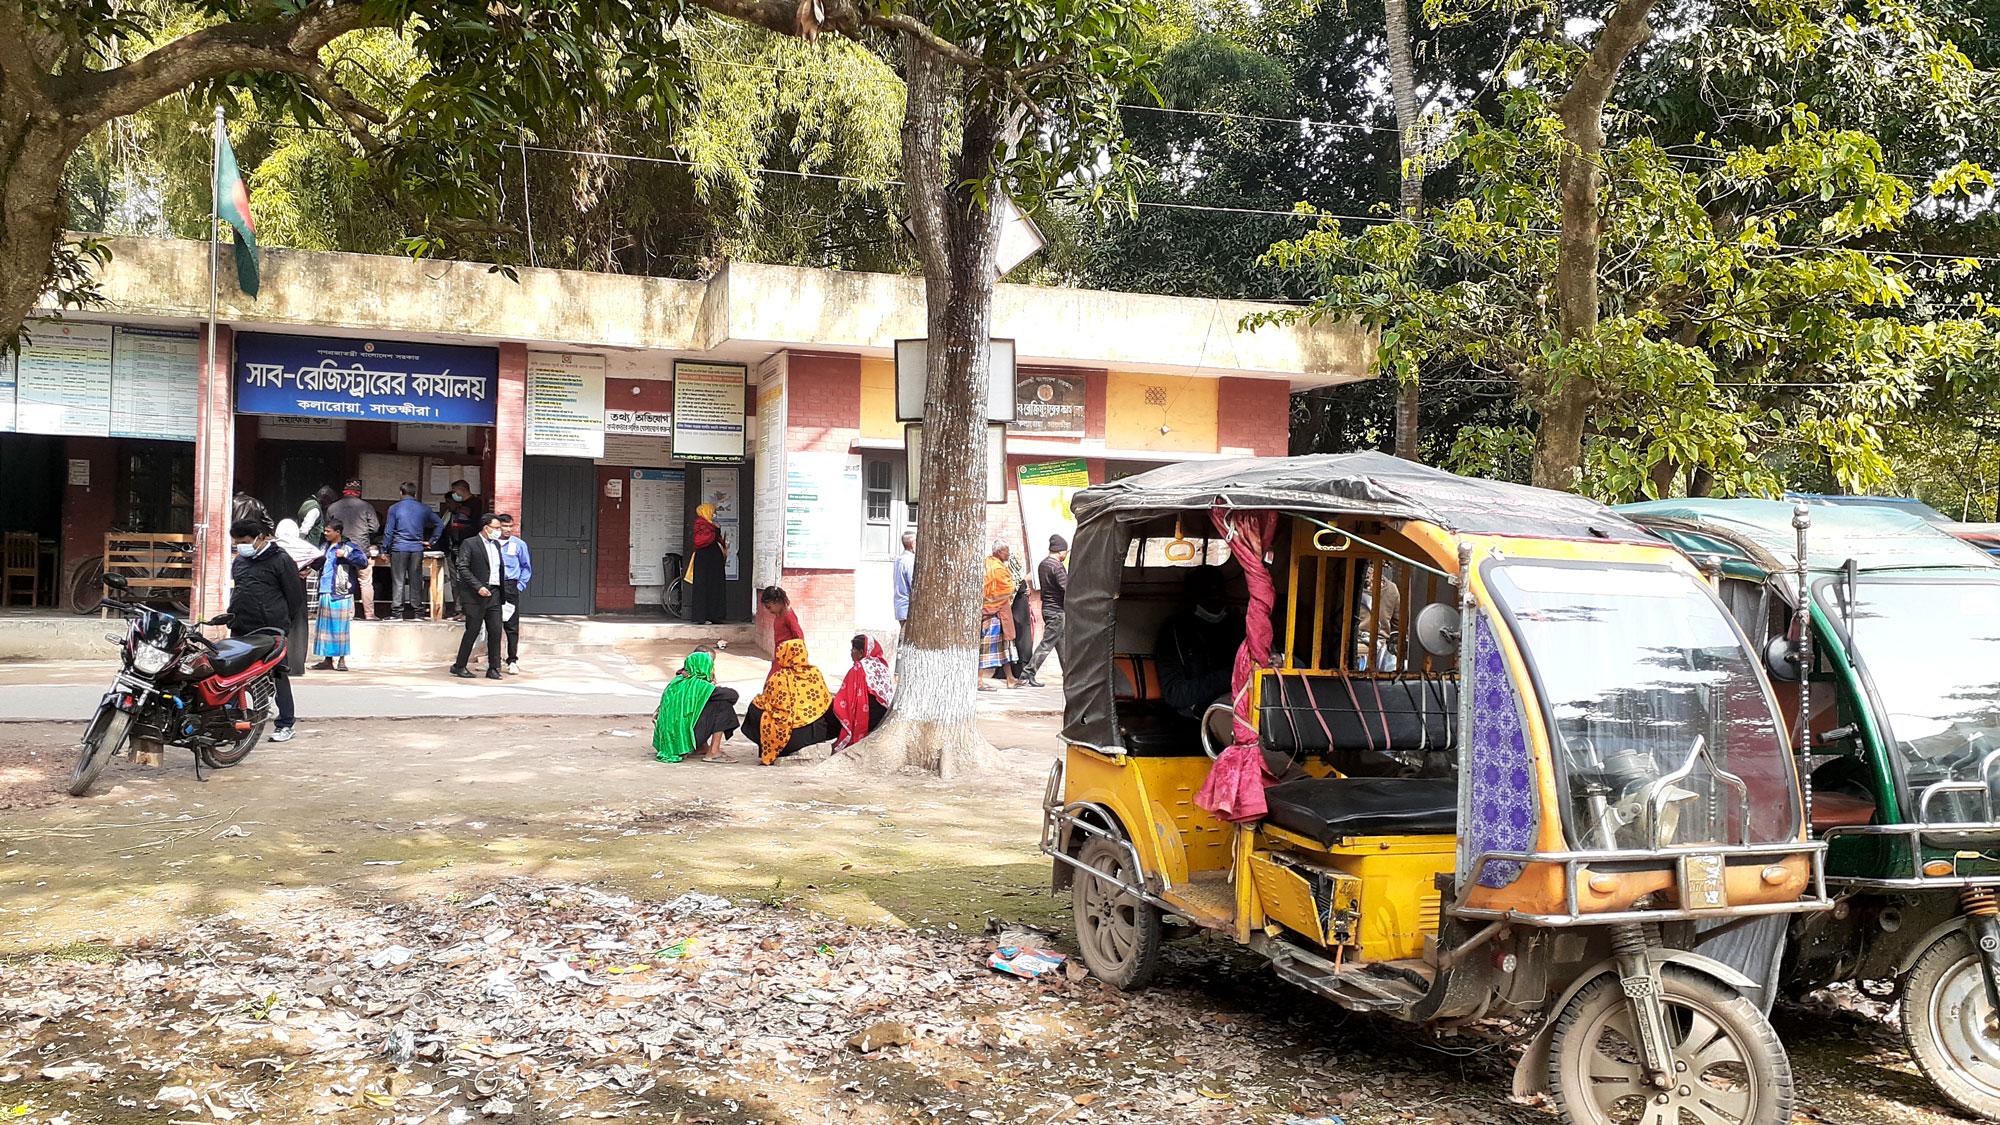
x,y
478,571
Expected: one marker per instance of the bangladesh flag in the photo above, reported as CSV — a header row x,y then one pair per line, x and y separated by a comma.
x,y
232,206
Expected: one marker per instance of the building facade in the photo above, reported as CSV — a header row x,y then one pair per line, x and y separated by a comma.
x,y
601,409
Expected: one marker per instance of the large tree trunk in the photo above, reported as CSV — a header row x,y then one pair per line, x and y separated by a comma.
x,y
931,728
1403,90
1564,404
32,157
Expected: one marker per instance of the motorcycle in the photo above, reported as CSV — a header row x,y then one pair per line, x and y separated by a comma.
x,y
176,687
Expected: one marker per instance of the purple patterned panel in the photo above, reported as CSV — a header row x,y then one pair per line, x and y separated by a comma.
x,y
1502,816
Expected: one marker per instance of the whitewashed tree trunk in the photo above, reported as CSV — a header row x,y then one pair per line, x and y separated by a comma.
x,y
931,727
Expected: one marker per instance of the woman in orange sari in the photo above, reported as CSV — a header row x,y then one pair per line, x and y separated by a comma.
x,y
996,617
794,710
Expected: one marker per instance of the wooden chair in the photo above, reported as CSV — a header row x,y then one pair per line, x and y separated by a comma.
x,y
20,561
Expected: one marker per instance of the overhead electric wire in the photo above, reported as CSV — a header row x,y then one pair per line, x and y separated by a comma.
x,y
1551,232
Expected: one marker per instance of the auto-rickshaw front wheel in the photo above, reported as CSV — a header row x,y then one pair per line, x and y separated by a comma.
x,y
1729,1065
1949,1025
1118,934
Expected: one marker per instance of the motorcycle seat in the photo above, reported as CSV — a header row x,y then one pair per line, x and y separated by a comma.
x,y
236,654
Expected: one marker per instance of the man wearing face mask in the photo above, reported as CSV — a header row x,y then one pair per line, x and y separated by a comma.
x,y
1196,649
479,571
460,524
265,593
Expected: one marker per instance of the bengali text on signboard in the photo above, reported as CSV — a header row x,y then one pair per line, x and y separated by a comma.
x,y
365,379
708,411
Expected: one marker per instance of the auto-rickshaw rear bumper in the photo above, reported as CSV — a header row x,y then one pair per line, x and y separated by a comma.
x,y
1686,872
1901,848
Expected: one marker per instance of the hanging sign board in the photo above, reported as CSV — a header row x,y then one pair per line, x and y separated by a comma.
x,y
913,372
155,383
768,494
1045,490
63,380
565,405
708,411
648,423
368,379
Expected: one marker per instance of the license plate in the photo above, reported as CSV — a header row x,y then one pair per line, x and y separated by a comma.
x,y
1703,886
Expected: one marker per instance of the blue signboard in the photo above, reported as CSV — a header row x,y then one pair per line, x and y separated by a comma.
x,y
367,380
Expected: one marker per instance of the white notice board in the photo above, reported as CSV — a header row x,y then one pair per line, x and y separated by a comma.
x,y
7,393
708,411
64,380
565,405
823,510
155,377
658,502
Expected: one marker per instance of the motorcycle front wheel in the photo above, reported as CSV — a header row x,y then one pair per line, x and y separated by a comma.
x,y
106,736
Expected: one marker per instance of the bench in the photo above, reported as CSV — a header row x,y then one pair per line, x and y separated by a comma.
x,y
1147,727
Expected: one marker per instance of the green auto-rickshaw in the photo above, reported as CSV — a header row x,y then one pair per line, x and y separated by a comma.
x,y
1902,702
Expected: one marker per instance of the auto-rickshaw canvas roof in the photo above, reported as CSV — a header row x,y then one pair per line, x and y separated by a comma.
x,y
1756,537
1345,484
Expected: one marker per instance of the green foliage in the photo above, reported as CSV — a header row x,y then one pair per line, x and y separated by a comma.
x,y
1744,335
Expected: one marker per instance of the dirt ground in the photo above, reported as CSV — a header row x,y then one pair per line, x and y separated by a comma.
x,y
166,935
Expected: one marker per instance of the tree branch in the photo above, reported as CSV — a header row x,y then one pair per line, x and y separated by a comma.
x,y
289,45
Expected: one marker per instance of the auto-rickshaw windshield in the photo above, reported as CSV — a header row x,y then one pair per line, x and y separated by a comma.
x,y
1664,733
1931,650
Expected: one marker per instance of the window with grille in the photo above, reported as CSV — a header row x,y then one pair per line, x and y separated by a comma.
x,y
878,489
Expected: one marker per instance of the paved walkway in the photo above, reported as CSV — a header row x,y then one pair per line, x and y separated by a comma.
x,y
600,683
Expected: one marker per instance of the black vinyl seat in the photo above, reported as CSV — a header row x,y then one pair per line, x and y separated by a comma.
x,y
234,655
1328,809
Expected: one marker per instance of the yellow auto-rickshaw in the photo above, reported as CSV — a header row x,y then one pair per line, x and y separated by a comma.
x,y
1488,751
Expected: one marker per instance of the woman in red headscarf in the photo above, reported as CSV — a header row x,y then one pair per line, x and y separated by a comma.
x,y
863,699
706,569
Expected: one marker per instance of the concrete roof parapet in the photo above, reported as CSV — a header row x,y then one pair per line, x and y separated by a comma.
x,y
743,306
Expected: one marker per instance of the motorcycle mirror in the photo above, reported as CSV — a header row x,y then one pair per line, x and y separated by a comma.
x,y
220,619
1781,661
1438,629
116,581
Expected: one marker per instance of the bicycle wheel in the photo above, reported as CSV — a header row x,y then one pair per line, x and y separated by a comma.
x,y
675,600
86,586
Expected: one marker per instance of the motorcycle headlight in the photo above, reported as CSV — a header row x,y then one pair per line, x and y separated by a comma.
x,y
150,659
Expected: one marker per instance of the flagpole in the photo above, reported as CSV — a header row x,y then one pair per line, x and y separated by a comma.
x,y
204,537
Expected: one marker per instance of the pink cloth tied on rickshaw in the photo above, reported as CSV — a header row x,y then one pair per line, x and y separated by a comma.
x,y
1234,790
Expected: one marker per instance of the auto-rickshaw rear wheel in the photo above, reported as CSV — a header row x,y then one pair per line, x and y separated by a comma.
x,y
1729,1064
1949,1025
1118,934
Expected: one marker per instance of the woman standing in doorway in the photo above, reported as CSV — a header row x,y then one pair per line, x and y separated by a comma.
x,y
705,575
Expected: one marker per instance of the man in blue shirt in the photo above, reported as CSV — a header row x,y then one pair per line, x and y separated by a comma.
x,y
905,571
515,570
411,528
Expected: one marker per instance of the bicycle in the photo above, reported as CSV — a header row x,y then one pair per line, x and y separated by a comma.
x,y
87,587
674,599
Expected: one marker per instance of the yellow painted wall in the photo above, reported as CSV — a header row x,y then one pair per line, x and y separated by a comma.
x,y
878,399
1137,405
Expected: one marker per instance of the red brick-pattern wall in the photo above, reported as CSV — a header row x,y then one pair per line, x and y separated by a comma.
x,y
823,414
1094,399
213,488
614,542
510,430
614,519
88,511
1254,417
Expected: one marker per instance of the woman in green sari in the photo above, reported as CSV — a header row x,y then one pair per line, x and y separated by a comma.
x,y
694,712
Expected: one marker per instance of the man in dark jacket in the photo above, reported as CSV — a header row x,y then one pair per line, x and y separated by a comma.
x,y
1053,578
479,570
362,526
266,593
411,529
